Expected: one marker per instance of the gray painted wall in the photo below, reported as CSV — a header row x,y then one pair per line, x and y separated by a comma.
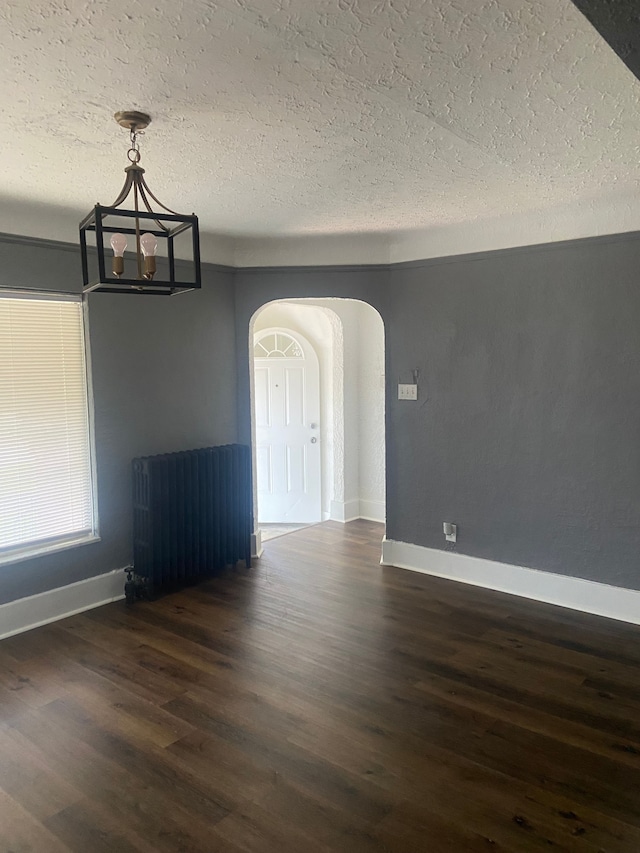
x,y
163,379
527,431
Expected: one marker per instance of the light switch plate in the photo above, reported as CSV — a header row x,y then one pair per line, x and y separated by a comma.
x,y
407,392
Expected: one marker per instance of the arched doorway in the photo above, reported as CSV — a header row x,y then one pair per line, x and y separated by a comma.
x,y
348,336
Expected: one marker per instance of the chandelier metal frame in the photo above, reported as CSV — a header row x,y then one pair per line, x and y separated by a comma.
x,y
136,272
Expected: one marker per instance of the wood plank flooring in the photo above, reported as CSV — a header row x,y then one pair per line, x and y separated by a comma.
x,y
319,702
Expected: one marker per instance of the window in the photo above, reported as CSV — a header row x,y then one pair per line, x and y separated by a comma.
x,y
277,345
46,476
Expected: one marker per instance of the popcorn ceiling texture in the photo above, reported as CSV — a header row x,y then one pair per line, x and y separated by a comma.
x,y
299,119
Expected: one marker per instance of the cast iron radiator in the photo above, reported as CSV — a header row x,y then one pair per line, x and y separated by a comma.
x,y
192,515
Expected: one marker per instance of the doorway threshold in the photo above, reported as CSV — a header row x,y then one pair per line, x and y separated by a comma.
x,y
273,531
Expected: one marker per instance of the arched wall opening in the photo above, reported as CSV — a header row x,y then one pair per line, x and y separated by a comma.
x,y
348,337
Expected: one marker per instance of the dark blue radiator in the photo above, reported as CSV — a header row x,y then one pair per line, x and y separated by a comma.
x,y
192,515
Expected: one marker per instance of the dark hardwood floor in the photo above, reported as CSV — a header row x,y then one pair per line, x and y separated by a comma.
x,y
322,703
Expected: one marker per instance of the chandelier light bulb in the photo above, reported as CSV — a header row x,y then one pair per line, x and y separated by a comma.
x,y
119,245
149,244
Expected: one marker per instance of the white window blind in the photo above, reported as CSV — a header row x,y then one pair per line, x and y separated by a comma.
x,y
46,489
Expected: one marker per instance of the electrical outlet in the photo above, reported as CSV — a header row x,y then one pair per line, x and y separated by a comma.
x,y
450,531
407,392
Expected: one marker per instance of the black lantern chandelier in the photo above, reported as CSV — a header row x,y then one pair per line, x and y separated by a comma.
x,y
165,245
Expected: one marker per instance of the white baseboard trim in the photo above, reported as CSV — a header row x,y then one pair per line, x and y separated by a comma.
x,y
575,593
345,510
35,610
256,543
373,510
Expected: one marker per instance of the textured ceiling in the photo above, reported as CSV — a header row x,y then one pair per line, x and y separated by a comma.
x,y
300,118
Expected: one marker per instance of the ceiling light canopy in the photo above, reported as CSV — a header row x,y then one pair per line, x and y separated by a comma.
x,y
154,251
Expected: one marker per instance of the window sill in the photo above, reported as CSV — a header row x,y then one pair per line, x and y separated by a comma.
x,y
45,548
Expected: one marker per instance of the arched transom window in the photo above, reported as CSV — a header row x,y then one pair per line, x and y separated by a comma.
x,y
277,345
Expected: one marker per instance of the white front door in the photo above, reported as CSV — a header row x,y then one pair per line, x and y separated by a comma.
x,y
287,413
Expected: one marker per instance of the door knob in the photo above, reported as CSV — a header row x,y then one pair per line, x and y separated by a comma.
x,y
313,440
314,426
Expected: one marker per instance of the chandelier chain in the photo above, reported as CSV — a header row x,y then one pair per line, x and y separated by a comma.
x,y
133,153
